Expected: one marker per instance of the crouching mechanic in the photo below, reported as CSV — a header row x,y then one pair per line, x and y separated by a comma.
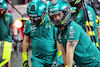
x,y
41,33
77,44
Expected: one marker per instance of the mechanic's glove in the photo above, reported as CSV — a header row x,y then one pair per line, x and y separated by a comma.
x,y
66,66
59,53
15,38
59,61
25,60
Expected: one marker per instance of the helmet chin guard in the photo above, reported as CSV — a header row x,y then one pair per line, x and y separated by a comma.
x,y
75,3
57,8
36,10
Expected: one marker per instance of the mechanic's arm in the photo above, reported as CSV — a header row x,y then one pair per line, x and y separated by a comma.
x,y
25,53
70,46
62,49
98,32
15,32
25,43
14,29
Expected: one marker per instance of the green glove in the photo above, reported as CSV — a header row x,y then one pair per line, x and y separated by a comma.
x,y
66,66
59,53
59,61
25,60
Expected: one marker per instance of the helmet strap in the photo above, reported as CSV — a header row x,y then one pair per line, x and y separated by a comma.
x,y
1,15
66,26
5,12
43,19
78,8
66,19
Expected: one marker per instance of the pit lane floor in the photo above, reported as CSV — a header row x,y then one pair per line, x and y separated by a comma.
x,y
16,61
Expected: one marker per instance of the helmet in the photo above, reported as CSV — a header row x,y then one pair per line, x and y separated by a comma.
x,y
75,3
59,7
3,8
36,11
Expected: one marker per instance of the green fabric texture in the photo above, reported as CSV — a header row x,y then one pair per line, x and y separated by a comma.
x,y
5,23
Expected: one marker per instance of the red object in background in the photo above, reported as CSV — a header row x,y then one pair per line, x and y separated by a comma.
x,y
22,29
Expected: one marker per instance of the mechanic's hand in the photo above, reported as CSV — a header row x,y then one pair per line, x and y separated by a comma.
x,y
66,66
15,38
59,53
25,59
26,64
